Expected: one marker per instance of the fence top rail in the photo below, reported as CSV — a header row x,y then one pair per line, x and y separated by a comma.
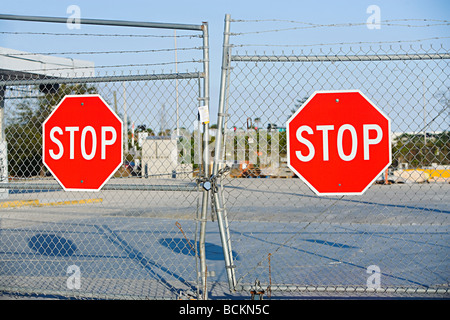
x,y
18,80
102,22
332,58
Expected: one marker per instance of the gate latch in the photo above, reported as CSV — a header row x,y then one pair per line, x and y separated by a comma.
x,y
211,183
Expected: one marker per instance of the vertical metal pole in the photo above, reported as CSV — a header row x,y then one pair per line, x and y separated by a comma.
x,y
227,69
424,115
2,112
206,194
3,146
223,82
219,202
176,84
125,120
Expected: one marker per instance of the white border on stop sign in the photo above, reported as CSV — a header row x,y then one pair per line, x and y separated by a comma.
x,y
120,135
305,180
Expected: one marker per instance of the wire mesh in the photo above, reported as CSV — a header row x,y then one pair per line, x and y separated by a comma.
x,y
137,238
287,241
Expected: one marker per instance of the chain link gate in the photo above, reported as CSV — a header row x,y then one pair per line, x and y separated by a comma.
x,y
142,235
279,238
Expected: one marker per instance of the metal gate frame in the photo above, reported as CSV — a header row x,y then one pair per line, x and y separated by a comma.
x,y
220,167
204,100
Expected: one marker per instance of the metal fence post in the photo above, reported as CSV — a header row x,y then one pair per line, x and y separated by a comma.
x,y
219,156
206,194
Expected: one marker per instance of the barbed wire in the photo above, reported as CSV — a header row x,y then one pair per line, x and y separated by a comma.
x,y
340,43
310,25
101,52
66,68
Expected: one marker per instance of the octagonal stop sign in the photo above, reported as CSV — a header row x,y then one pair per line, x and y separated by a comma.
x,y
338,142
82,142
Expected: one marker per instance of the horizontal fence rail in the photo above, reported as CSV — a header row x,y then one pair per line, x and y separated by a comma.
x,y
331,58
17,81
102,22
112,186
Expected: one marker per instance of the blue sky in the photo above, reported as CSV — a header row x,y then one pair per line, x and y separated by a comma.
x,y
213,11
194,12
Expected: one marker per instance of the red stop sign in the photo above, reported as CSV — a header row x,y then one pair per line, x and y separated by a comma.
x,y
82,142
338,142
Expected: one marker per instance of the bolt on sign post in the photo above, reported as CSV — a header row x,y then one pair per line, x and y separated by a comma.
x,y
82,142
338,142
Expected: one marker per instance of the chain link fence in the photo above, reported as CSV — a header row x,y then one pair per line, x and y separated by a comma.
x,y
281,238
147,233
139,237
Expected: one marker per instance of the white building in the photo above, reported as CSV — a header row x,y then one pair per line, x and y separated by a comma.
x,y
160,159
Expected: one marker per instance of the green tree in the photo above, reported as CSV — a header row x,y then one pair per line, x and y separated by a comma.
x,y
298,104
24,129
24,142
419,152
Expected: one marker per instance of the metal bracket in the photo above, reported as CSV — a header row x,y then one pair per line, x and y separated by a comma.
x,y
206,185
211,182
